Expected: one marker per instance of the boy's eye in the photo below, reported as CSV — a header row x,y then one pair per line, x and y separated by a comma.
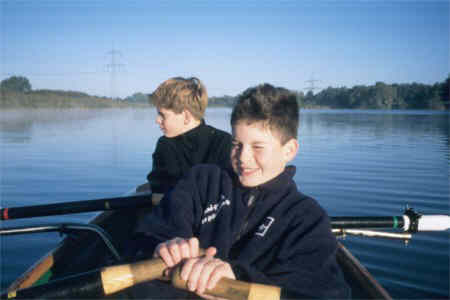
x,y
235,145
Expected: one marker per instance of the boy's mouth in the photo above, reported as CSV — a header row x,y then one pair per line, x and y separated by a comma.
x,y
247,171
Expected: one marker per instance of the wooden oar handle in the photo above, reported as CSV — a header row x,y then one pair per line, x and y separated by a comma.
x,y
117,278
233,289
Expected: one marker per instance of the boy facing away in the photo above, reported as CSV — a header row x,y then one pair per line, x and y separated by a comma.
x,y
253,222
187,140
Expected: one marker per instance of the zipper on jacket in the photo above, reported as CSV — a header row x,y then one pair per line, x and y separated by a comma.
x,y
251,204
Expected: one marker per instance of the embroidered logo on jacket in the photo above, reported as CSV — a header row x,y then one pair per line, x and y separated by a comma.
x,y
212,210
264,227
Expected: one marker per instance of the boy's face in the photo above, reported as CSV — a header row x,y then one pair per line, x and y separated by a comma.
x,y
170,123
257,155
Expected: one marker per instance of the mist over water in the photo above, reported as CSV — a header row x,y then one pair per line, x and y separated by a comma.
x,y
353,162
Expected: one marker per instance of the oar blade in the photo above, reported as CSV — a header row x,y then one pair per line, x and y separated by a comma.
x,y
434,223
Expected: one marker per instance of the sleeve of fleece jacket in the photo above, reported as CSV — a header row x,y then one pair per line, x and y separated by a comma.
x,y
175,215
305,262
165,170
225,148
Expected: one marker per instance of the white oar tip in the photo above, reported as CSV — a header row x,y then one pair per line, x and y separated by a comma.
x,y
434,223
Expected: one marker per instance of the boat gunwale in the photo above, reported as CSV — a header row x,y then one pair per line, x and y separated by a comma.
x,y
44,264
374,288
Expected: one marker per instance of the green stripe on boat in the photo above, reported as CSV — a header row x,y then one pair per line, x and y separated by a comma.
x,y
45,278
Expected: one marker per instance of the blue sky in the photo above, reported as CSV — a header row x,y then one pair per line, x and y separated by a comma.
x,y
229,45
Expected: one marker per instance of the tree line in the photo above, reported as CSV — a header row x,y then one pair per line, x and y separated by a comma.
x,y
16,91
378,96
381,96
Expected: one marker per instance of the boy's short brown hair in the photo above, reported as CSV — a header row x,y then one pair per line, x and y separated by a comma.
x,y
178,94
277,107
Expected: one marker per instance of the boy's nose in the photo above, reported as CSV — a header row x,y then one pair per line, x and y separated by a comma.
x,y
244,155
158,120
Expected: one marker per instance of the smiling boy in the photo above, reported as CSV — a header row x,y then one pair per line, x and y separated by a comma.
x,y
253,222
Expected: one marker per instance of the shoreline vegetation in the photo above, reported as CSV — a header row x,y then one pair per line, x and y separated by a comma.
x,y
16,92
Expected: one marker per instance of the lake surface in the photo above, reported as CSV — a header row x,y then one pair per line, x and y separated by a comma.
x,y
356,163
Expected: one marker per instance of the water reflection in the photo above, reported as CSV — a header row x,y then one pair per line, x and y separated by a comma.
x,y
376,124
15,131
17,125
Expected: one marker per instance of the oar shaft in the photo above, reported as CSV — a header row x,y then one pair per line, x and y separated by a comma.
x,y
113,279
367,222
234,289
75,207
410,221
80,286
94,284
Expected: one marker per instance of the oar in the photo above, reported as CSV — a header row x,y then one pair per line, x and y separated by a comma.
x,y
233,289
410,221
110,280
139,200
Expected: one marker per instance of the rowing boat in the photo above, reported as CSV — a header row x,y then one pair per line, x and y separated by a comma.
x,y
86,251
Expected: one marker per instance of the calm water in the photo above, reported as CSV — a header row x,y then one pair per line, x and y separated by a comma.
x,y
352,162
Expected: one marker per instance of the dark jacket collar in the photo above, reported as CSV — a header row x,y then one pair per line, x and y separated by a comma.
x,y
192,132
271,185
192,137
279,181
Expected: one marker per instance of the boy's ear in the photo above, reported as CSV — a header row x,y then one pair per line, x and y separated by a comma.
x,y
290,149
187,116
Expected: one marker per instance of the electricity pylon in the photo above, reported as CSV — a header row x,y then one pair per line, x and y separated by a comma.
x,y
113,67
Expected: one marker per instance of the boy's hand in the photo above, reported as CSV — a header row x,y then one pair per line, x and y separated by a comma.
x,y
202,273
175,250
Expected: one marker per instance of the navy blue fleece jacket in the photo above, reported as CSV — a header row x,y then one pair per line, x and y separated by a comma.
x,y
270,234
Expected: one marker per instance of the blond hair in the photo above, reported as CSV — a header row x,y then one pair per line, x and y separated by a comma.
x,y
178,94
